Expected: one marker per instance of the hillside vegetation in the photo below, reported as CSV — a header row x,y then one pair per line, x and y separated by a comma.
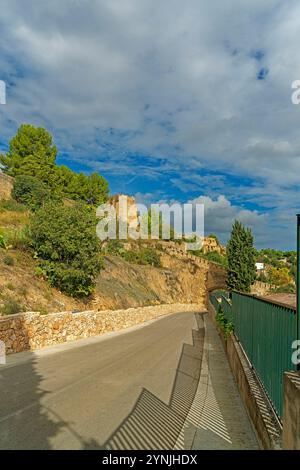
x,y
50,257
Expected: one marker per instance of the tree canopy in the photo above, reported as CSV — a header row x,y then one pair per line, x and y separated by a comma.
x,y
32,154
66,245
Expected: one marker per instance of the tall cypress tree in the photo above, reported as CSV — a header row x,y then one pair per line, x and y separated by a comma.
x,y
241,258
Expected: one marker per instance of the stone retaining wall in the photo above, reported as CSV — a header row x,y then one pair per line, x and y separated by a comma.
x,y
32,330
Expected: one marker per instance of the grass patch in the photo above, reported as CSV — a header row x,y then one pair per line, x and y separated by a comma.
x,y
11,307
15,238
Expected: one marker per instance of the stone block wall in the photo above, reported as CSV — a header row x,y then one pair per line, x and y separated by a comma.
x,y
32,330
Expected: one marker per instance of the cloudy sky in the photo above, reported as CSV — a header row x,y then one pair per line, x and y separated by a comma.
x,y
169,100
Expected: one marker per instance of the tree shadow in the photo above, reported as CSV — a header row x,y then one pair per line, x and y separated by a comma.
x,y
29,424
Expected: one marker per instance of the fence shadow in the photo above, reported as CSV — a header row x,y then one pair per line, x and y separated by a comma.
x,y
153,424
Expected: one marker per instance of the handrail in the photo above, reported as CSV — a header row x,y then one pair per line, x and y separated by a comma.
x,y
263,299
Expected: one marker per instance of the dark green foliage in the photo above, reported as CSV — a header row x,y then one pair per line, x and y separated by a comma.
x,y
31,152
225,325
241,259
91,189
30,191
67,247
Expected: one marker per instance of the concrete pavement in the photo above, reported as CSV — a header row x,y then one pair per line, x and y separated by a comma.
x,y
163,386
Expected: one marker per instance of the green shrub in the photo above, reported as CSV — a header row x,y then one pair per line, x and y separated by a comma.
x,y
149,256
11,307
114,247
66,244
144,256
225,325
131,256
12,206
30,191
288,289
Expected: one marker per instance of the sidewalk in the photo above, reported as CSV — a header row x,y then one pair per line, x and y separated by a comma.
x,y
217,419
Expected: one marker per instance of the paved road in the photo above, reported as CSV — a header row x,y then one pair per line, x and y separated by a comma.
x,y
151,388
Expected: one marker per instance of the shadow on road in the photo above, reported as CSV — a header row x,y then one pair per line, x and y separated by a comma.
x,y
20,422
153,424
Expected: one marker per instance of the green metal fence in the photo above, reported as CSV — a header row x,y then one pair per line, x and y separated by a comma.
x,y
266,331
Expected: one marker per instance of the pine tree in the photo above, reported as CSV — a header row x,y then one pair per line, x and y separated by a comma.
x,y
32,153
241,258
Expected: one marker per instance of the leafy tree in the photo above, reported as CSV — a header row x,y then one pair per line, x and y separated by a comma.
x,y
280,276
91,189
241,258
31,152
65,241
30,191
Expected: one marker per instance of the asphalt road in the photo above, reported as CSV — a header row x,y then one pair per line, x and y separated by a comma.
x,y
128,391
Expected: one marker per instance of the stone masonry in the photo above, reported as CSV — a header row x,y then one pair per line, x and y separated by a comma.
x,y
32,330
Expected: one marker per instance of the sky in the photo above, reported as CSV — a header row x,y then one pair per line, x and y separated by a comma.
x,y
171,101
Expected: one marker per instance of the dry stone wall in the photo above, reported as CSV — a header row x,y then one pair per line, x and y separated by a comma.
x,y
32,330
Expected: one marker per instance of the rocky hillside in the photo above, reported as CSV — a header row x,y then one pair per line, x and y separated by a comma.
x,y
120,285
181,277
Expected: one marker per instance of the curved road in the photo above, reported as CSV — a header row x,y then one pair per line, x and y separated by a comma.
x,y
164,385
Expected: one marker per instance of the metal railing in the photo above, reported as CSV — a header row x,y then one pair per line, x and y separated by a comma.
x,y
266,331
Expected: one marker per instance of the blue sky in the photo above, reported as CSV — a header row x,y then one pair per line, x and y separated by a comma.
x,y
170,101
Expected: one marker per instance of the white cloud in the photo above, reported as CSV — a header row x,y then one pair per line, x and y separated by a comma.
x,y
169,78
